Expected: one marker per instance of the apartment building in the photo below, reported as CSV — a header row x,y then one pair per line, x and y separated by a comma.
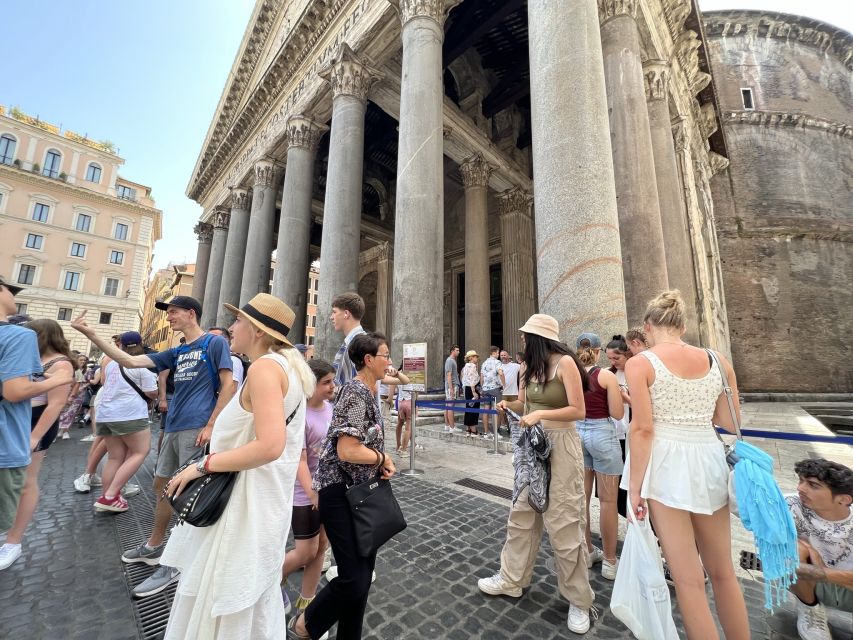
x,y
174,280
73,232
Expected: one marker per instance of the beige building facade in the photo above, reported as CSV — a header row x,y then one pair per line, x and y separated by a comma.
x,y
174,280
74,233
463,164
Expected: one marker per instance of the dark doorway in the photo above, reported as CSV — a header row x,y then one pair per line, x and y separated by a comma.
x,y
495,305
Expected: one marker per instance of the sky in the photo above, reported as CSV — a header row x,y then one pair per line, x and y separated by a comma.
x,y
148,74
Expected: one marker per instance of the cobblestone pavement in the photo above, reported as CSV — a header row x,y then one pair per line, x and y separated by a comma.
x,y
70,582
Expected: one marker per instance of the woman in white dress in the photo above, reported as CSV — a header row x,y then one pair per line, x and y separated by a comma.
x,y
230,571
676,467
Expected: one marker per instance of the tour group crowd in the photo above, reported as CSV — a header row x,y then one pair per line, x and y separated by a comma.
x,y
629,422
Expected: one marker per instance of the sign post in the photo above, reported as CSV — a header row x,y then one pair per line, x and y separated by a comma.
x,y
415,368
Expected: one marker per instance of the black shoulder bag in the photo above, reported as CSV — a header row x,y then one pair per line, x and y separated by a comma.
x,y
133,385
376,515
203,500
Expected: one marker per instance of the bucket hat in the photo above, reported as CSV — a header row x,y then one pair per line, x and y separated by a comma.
x,y
542,325
269,314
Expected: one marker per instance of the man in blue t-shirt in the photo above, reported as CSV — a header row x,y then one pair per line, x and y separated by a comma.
x,y
203,386
19,361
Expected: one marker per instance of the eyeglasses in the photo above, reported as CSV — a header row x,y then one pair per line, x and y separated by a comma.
x,y
387,356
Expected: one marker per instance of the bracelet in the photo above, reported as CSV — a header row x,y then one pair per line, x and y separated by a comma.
x,y
207,463
378,459
201,465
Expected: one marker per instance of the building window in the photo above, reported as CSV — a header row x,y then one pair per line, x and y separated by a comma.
x,y
120,232
7,149
41,212
72,281
21,308
313,321
746,96
78,250
106,318
52,161
34,241
84,222
125,193
93,173
116,257
26,274
310,341
110,288
64,313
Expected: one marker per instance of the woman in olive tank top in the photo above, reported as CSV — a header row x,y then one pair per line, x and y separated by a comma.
x,y
551,392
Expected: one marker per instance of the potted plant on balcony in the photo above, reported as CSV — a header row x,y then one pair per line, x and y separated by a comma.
x,y
63,176
36,167
17,163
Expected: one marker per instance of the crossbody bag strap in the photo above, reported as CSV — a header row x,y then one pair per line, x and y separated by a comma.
x,y
727,390
133,385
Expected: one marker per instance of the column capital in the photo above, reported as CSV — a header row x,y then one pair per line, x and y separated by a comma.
x,y
349,75
204,231
304,133
514,200
240,198
608,9
475,171
436,10
656,74
264,173
221,218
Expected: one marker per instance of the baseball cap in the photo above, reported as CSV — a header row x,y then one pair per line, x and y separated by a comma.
x,y
130,338
301,348
182,302
594,340
15,290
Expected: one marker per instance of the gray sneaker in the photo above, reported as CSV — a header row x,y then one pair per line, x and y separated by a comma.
x,y
143,553
129,490
157,581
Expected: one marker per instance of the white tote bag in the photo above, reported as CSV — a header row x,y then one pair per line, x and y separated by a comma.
x,y
640,594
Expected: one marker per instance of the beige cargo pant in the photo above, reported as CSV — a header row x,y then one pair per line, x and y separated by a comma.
x,y
564,520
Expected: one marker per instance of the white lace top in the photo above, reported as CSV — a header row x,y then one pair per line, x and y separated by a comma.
x,y
682,401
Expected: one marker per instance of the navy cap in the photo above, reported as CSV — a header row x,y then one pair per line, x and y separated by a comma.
x,y
594,340
182,302
130,338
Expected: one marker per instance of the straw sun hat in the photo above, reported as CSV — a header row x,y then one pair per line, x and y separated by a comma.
x,y
269,314
542,325
471,354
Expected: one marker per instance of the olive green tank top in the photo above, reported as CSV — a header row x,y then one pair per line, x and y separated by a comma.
x,y
551,395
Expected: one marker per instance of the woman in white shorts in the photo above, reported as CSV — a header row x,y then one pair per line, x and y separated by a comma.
x,y
676,467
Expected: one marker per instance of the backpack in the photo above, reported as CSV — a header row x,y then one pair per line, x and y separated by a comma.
x,y
185,348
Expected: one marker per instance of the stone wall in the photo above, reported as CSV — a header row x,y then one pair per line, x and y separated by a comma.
x,y
783,207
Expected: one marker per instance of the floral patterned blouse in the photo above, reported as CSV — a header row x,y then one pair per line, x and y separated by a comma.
x,y
470,377
356,414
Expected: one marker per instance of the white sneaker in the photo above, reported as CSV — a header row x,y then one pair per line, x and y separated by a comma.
x,y
65,435
578,621
596,555
608,569
497,586
332,573
83,484
89,438
327,559
811,622
8,554
130,490
96,481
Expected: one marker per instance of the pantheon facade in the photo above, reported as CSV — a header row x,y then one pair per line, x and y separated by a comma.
x,y
463,164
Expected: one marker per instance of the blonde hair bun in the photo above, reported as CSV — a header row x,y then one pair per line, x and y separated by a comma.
x,y
666,310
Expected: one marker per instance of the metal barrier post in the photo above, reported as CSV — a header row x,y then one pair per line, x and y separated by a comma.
x,y
496,421
412,471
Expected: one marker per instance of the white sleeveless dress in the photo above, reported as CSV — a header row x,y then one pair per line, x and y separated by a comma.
x,y
687,466
230,571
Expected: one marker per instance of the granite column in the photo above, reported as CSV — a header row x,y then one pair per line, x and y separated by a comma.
x,y
419,222
235,254
204,231
350,79
643,256
293,259
518,267
256,266
210,308
577,225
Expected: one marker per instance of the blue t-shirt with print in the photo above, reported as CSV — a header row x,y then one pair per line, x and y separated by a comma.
x,y
19,357
195,387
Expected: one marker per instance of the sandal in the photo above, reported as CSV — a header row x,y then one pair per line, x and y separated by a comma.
x,y
292,633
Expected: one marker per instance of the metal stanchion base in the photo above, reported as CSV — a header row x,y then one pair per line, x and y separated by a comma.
x,y
412,472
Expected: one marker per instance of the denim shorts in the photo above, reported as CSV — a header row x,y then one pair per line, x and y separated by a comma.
x,y
601,450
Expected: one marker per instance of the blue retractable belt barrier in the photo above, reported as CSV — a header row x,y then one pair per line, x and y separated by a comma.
x,y
800,437
446,407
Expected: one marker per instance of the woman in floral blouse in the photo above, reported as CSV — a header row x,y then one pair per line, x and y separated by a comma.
x,y
352,453
471,385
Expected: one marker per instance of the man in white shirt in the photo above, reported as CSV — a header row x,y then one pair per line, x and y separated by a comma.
x,y
238,372
492,383
824,520
510,389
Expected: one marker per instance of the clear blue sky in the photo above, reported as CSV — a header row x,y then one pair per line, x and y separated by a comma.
x,y
147,74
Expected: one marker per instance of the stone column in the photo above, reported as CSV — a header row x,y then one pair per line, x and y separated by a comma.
x,y
478,318
676,236
235,255
350,79
256,266
293,259
204,231
518,275
210,309
643,256
419,222
384,289
577,226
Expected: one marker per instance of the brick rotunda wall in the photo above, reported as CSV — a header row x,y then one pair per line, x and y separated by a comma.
x,y
784,206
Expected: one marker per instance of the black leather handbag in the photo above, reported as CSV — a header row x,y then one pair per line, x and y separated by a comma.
x,y
376,515
203,500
